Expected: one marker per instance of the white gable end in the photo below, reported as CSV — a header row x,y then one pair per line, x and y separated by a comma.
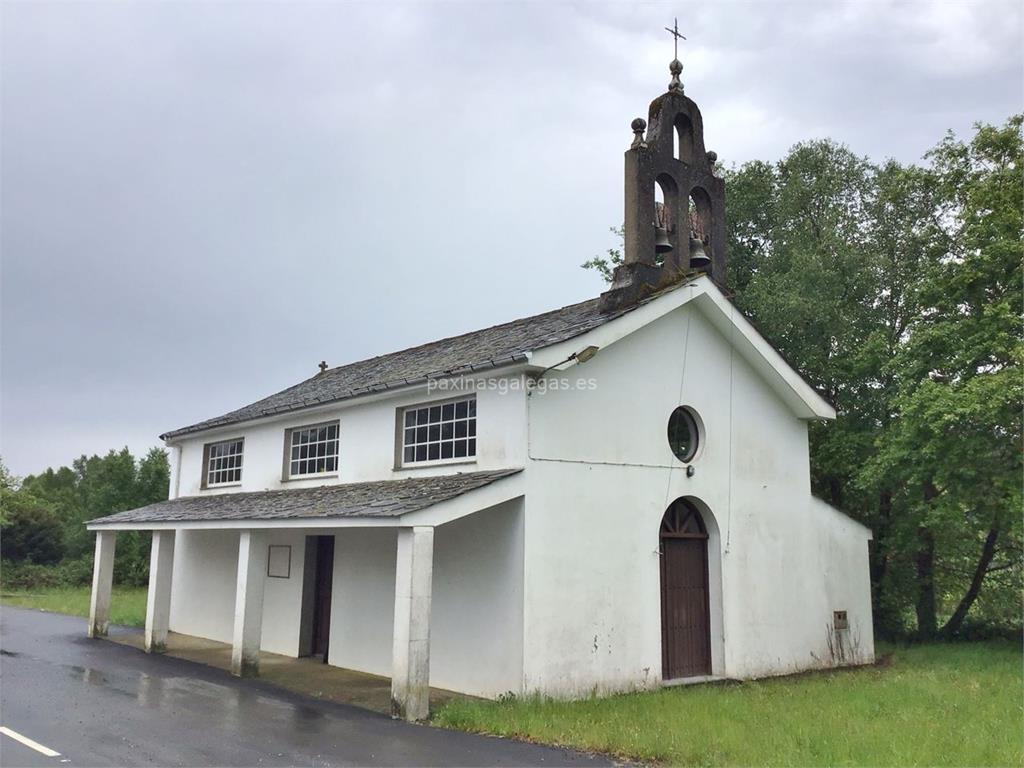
x,y
755,350
601,473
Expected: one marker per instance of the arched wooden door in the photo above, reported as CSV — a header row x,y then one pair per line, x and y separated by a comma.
x,y
685,613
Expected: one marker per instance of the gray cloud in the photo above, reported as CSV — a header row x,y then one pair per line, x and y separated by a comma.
x,y
201,201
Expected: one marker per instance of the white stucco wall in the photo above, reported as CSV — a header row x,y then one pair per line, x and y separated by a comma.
x,y
477,612
599,479
476,625
203,583
367,443
203,589
476,628
843,560
363,600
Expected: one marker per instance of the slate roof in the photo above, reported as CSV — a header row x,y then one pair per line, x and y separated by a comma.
x,y
383,498
465,354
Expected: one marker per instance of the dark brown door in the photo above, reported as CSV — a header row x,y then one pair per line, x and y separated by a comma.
x,y
322,594
685,622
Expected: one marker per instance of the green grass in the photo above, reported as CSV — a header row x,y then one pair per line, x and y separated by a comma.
x,y
958,704
128,604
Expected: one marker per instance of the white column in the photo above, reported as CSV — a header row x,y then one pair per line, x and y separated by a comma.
x,y
410,661
158,601
252,569
102,582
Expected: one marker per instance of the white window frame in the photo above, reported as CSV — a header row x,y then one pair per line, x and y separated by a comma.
x,y
470,419
288,446
208,459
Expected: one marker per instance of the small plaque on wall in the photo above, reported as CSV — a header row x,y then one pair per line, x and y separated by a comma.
x,y
279,561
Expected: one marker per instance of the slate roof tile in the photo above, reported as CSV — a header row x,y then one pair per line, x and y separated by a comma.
x,y
382,498
477,351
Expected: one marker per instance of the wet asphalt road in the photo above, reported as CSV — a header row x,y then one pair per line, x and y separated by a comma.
x,y
98,703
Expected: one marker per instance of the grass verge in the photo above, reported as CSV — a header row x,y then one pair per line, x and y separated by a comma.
x,y
127,606
955,704
942,704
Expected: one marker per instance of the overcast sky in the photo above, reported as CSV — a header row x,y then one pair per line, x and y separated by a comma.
x,y
200,201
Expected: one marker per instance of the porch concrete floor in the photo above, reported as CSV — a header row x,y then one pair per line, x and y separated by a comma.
x,y
307,676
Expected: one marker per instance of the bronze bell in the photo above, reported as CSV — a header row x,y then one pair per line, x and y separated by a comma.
x,y
698,258
661,243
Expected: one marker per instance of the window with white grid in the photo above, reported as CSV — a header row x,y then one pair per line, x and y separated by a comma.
x,y
224,463
439,432
313,450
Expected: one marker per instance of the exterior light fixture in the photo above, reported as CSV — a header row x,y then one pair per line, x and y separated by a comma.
x,y
584,354
579,357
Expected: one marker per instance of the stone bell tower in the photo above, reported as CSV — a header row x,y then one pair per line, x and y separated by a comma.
x,y
685,233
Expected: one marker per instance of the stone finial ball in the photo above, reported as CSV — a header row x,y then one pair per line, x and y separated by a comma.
x,y
712,156
676,67
638,125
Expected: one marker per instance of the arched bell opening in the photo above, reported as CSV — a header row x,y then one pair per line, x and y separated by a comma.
x,y
699,203
666,206
691,592
682,139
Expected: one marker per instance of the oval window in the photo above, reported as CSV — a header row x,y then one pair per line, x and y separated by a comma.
x,y
683,433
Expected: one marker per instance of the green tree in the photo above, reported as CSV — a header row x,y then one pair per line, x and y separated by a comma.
x,y
30,529
605,265
896,291
59,490
153,478
7,480
954,450
96,486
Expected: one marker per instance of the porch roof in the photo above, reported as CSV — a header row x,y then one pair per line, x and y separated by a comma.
x,y
382,499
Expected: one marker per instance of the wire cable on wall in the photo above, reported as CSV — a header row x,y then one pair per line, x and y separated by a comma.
x,y
679,395
732,357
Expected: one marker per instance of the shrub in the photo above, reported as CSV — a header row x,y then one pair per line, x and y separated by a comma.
x,y
76,572
26,575
131,564
980,629
31,530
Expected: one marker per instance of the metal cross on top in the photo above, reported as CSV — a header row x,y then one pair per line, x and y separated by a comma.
x,y
674,31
